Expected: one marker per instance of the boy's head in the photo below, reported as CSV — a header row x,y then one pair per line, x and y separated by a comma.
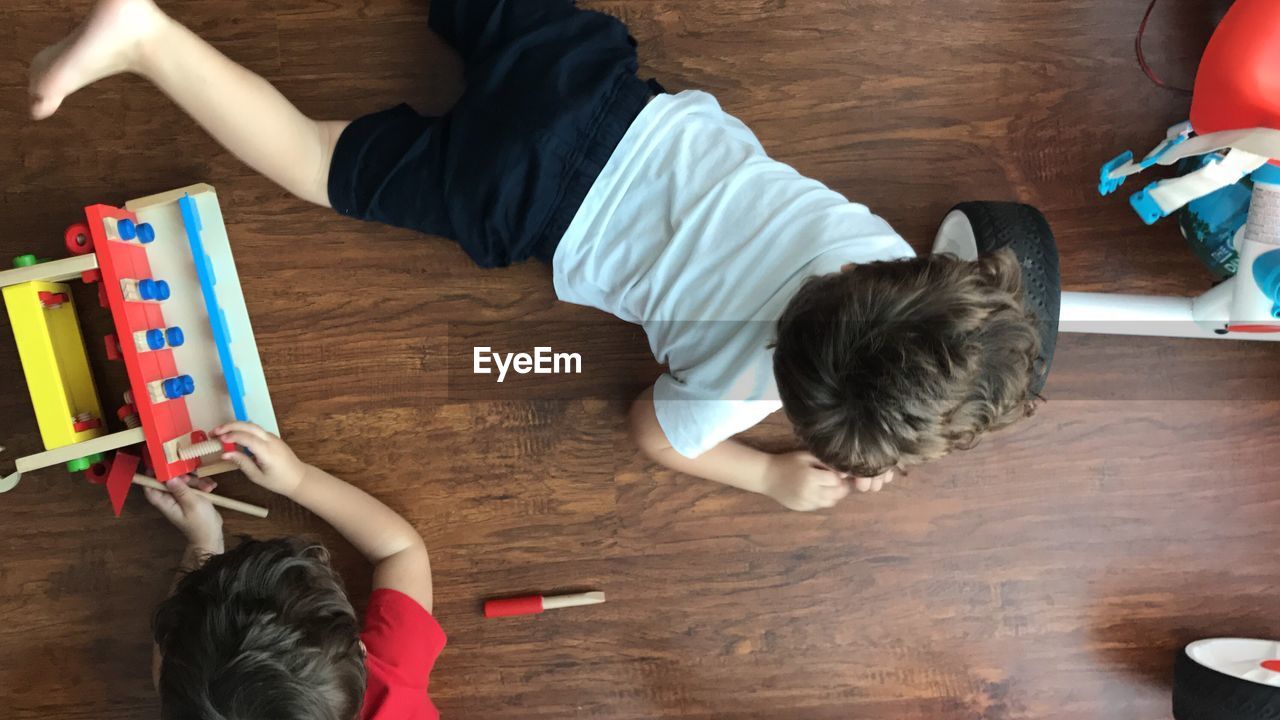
x,y
891,364
263,631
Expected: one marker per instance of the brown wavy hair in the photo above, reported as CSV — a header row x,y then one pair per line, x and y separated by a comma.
x,y
262,631
892,364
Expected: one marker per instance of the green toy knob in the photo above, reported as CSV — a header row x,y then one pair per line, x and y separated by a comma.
x,y
84,463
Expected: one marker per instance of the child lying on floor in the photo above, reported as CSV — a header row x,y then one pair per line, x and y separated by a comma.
x,y
265,630
759,288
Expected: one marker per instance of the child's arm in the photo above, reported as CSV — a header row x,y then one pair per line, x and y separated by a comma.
x,y
797,480
399,556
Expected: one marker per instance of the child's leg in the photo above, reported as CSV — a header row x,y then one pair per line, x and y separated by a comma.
x,y
240,109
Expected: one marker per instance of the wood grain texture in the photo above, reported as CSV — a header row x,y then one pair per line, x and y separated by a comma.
x,y
1050,573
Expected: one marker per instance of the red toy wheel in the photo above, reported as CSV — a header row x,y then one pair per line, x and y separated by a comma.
x,y
78,239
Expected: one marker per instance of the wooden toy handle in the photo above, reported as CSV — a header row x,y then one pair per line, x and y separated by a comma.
x,y
534,604
220,501
566,601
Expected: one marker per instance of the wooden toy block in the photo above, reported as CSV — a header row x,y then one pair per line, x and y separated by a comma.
x,y
59,456
209,469
52,271
54,361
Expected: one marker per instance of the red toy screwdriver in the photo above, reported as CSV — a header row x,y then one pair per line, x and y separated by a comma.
x,y
534,604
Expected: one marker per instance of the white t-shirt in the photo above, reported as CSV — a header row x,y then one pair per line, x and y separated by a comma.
x,y
693,232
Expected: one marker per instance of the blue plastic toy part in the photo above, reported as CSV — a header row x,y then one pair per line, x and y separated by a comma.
x,y
126,229
217,319
1178,134
176,387
175,337
1146,206
1266,272
154,290
146,233
1267,175
155,339
1108,184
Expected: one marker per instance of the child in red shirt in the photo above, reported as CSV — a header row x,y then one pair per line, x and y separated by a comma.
x,y
266,630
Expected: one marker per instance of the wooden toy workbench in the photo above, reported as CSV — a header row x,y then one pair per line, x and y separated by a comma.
x,y
164,270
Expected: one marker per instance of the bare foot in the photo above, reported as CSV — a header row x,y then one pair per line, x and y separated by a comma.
x,y
106,44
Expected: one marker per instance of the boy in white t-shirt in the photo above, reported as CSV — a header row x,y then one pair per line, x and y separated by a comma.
x,y
760,289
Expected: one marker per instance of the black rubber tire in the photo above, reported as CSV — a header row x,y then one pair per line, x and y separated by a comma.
x,y
1203,694
1025,230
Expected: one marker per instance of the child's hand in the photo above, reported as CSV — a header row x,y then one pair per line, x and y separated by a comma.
x,y
194,515
273,465
800,481
872,484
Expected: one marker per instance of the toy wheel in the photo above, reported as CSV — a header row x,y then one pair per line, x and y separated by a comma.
x,y
22,261
1227,679
78,239
976,228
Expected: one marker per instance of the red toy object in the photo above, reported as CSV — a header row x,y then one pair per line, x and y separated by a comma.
x,y
506,607
113,347
97,473
125,261
79,240
51,300
1238,84
534,604
120,479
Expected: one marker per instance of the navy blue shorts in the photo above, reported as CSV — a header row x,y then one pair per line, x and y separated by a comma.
x,y
550,91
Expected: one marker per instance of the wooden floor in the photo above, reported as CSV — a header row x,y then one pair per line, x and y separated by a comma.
x,y
1050,573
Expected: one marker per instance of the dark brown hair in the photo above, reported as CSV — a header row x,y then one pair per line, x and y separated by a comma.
x,y
892,364
262,631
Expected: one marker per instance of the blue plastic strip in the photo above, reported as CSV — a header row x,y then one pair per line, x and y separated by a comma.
x,y
1267,174
217,320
